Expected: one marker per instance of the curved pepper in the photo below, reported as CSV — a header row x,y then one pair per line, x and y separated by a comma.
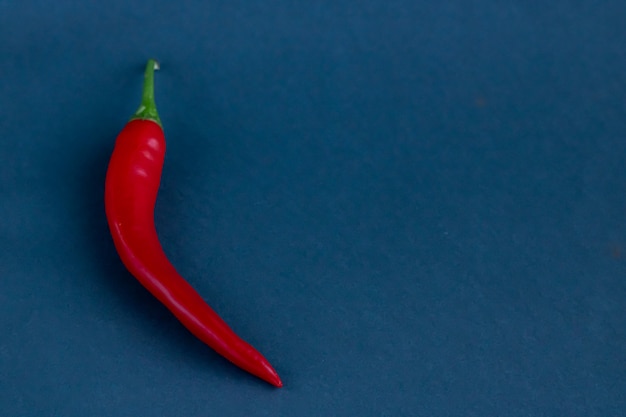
x,y
132,183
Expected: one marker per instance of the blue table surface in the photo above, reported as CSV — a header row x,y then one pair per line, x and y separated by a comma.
x,y
411,208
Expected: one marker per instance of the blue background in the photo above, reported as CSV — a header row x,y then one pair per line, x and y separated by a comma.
x,y
412,208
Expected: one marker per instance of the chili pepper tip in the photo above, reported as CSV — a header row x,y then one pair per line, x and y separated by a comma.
x,y
264,370
275,381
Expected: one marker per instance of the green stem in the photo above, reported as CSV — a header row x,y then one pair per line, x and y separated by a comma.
x,y
147,110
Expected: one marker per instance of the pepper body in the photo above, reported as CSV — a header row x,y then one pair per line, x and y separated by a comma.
x,y
131,188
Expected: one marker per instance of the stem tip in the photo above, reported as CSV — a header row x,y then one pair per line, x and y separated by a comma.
x,y
147,110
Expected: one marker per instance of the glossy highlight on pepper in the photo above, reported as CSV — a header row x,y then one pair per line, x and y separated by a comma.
x,y
132,182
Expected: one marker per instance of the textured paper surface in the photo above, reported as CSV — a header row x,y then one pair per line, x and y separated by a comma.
x,y
410,208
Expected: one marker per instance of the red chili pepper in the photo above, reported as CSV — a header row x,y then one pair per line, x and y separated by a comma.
x,y
132,183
